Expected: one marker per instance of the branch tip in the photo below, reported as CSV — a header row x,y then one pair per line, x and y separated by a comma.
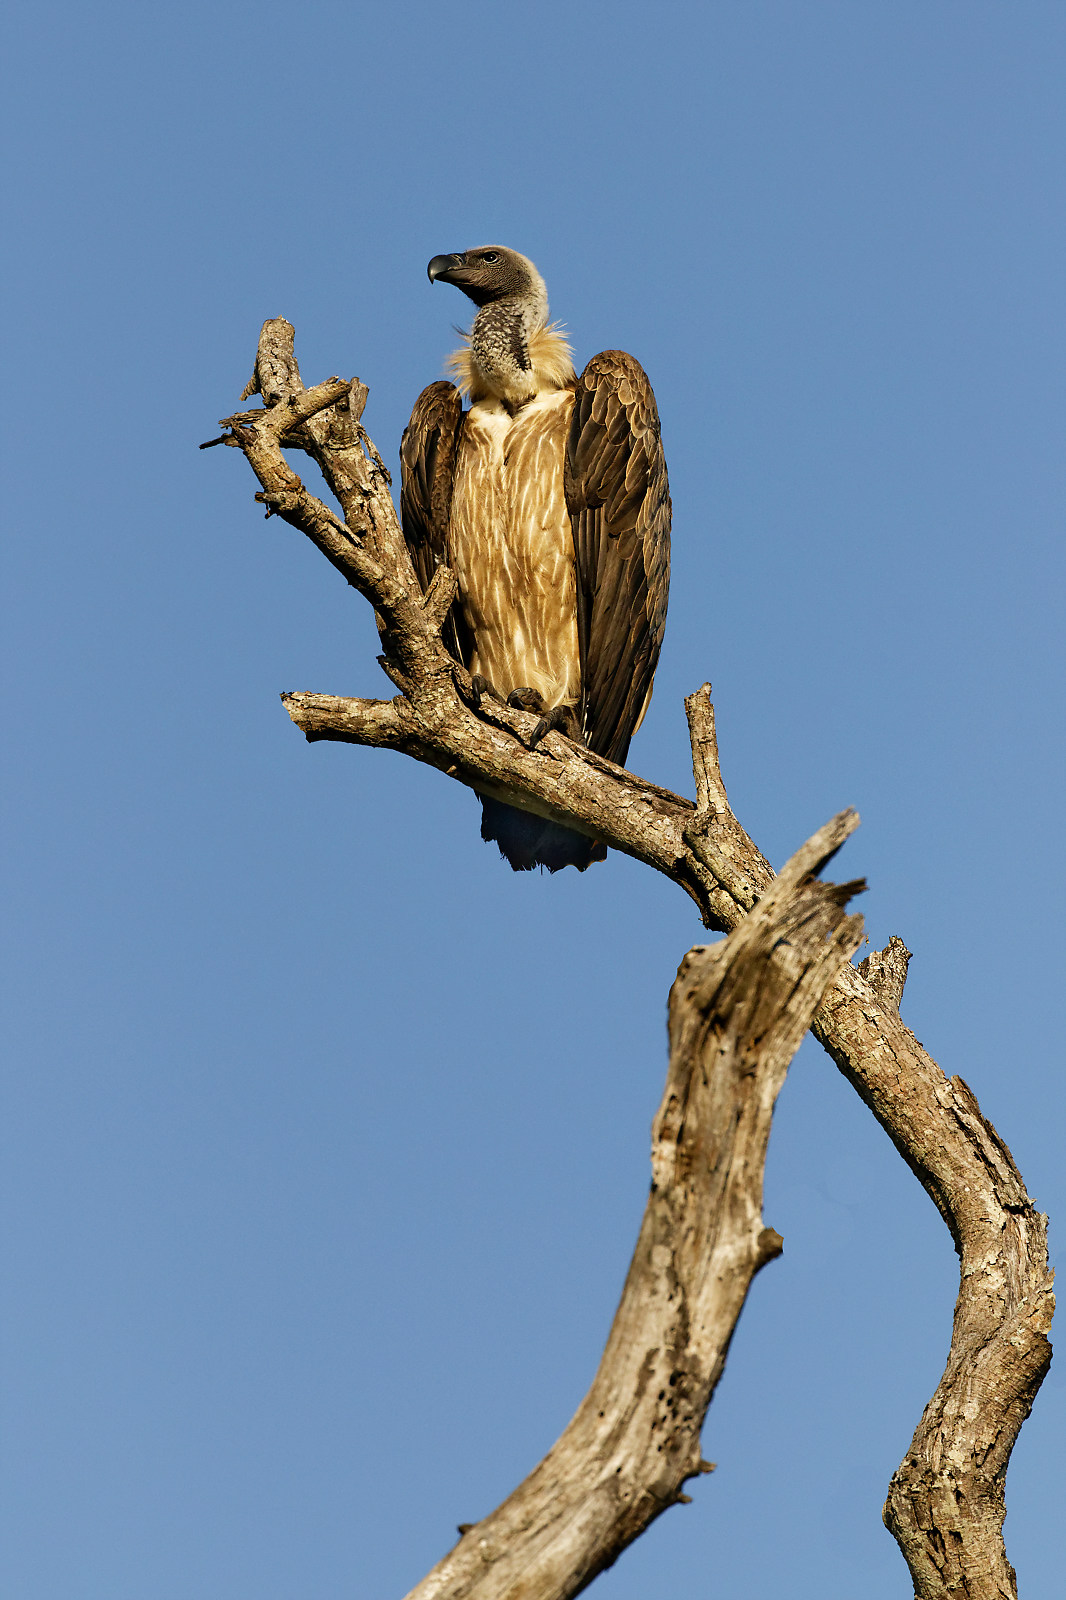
x,y
703,736
886,971
437,600
769,1246
819,850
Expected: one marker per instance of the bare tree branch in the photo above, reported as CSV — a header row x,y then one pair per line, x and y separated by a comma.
x,y
945,1504
886,971
946,1501
738,1013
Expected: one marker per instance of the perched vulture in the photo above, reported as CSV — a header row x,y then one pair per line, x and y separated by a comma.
x,y
548,499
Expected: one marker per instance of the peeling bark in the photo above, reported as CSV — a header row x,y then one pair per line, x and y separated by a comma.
x,y
945,1504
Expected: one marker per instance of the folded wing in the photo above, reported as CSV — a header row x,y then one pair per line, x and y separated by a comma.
x,y
427,460
619,502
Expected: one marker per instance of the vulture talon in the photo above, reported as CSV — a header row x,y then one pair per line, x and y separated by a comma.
x,y
479,688
559,718
524,699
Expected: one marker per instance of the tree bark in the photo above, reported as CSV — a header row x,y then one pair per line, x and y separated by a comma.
x,y
945,1504
738,1013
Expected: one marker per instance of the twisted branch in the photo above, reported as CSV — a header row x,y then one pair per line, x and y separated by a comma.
x,y
945,1504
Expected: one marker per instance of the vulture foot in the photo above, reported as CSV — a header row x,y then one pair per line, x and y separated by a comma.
x,y
479,688
562,718
527,700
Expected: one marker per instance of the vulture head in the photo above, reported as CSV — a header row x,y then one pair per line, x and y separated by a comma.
x,y
510,353
490,274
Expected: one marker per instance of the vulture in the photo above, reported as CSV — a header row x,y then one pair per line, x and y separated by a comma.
x,y
547,497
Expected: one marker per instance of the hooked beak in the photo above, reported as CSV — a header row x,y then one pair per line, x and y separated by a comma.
x,y
443,266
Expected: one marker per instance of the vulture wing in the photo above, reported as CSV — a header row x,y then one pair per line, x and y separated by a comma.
x,y
427,464
619,503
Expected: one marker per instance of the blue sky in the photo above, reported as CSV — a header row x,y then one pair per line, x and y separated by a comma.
x,y
325,1138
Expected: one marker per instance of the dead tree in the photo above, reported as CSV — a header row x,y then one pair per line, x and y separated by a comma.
x,y
738,1012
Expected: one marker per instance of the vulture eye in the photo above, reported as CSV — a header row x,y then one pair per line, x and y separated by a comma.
x,y
490,255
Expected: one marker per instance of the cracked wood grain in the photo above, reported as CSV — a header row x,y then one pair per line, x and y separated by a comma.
x,y
738,1012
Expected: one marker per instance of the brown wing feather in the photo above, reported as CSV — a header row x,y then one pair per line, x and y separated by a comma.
x,y
619,502
427,464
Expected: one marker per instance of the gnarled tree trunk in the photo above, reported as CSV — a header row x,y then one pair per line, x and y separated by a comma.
x,y
738,1011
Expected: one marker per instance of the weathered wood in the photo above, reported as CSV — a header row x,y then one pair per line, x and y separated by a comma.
x,y
738,1013
886,971
489,751
945,1504
946,1501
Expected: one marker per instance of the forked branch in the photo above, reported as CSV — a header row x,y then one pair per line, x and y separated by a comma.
x,y
738,1013
945,1504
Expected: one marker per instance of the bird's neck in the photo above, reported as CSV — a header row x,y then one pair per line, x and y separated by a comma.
x,y
550,358
499,345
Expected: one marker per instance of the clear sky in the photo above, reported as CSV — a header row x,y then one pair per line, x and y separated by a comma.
x,y
325,1137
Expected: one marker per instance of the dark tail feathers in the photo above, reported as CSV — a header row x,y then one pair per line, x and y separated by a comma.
x,y
527,841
